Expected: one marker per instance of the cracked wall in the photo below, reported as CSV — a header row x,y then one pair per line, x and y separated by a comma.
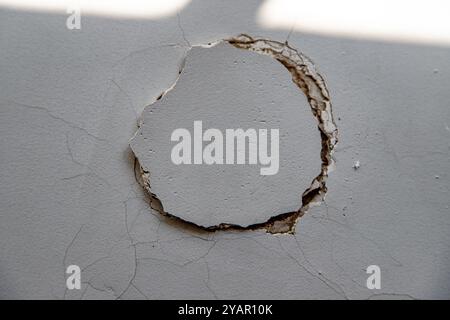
x,y
70,101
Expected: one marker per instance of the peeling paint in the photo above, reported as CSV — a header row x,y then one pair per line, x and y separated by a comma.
x,y
312,84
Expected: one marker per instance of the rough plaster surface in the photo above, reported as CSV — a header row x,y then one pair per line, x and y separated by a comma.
x,y
230,88
69,102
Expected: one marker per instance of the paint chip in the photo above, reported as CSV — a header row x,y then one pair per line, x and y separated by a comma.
x,y
222,87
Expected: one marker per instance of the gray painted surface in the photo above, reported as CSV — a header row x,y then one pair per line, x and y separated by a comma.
x,y
69,102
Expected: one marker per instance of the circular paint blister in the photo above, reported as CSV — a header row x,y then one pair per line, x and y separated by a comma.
x,y
241,141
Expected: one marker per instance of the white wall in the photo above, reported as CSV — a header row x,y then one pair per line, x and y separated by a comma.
x,y
69,102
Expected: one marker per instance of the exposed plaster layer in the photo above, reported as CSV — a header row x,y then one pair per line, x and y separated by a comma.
x,y
313,86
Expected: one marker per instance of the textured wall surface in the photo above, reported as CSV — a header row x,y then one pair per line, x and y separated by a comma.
x,y
70,102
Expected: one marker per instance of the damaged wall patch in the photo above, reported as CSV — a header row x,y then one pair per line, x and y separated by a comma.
x,y
222,87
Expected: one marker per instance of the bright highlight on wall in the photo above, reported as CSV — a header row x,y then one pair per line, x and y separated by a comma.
x,y
416,21
117,8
